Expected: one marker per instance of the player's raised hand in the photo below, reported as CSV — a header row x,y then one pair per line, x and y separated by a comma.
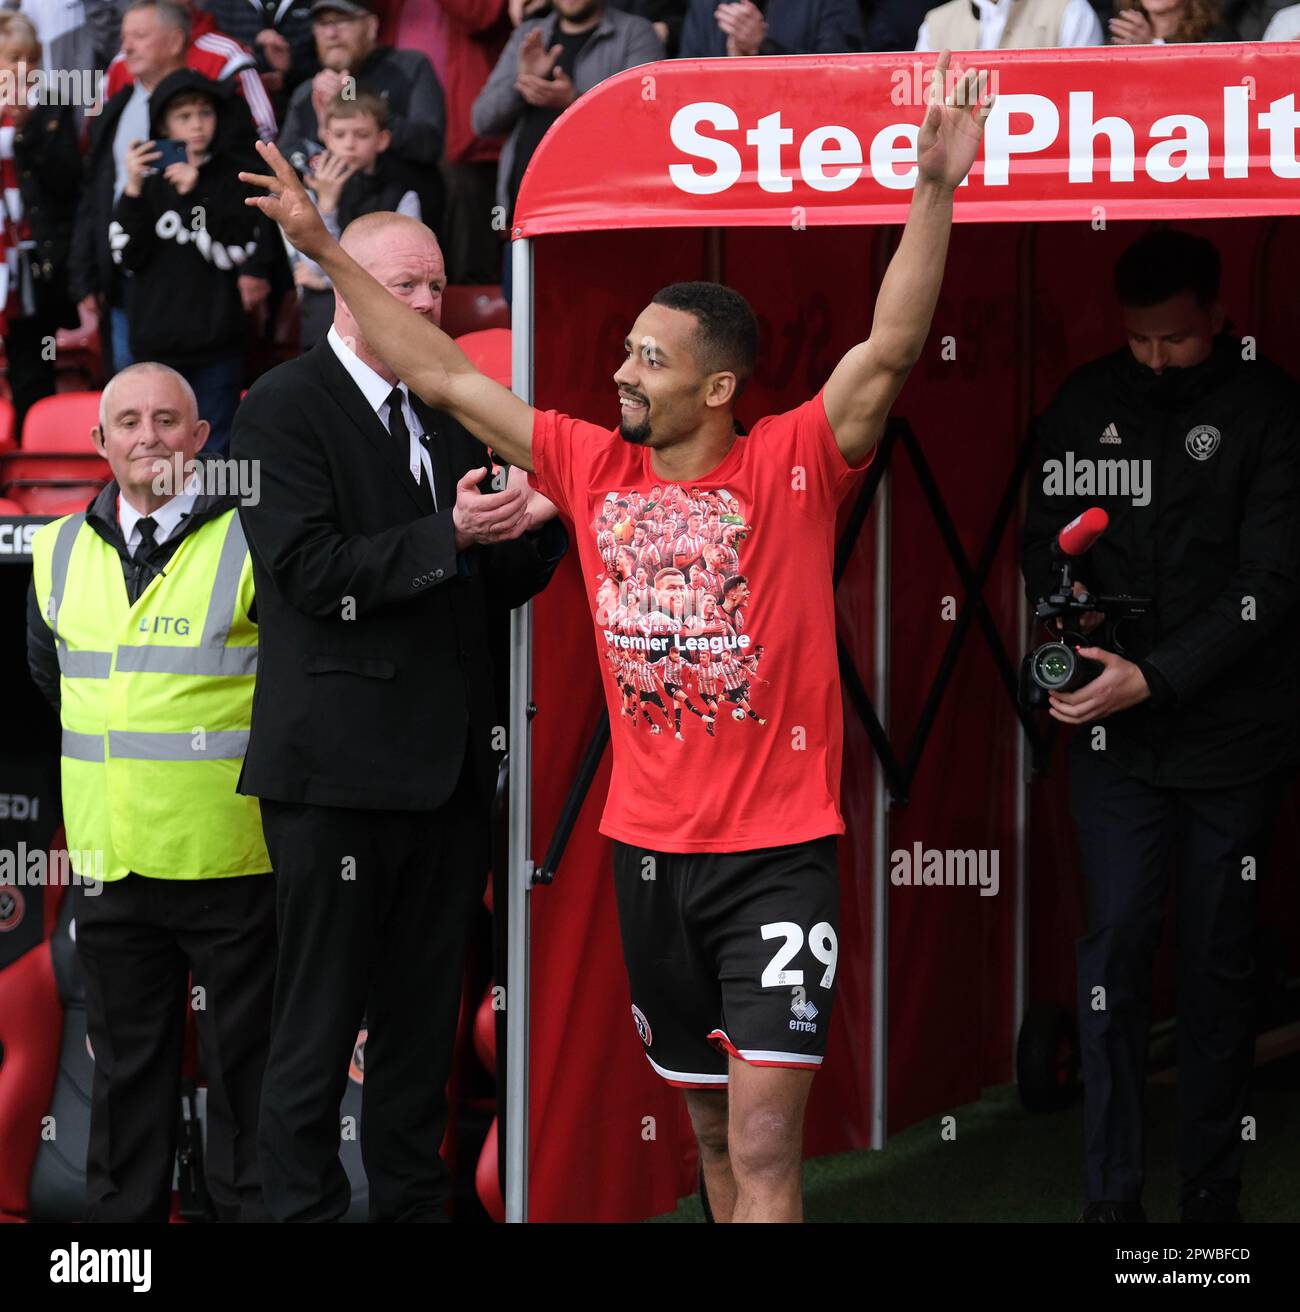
x,y
954,125
288,204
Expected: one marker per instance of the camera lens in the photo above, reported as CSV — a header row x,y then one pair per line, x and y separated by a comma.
x,y
1053,666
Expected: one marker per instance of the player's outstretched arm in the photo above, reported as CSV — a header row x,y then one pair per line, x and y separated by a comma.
x,y
420,354
866,382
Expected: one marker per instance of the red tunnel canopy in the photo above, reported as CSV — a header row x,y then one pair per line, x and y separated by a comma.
x,y
760,143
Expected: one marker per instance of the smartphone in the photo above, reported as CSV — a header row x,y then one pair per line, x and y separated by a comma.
x,y
173,152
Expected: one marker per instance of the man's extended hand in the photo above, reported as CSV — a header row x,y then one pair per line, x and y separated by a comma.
x,y
487,518
288,204
1120,685
953,127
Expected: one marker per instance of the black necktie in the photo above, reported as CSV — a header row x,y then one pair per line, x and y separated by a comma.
x,y
397,422
148,527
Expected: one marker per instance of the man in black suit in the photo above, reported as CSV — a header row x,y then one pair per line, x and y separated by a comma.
x,y
374,744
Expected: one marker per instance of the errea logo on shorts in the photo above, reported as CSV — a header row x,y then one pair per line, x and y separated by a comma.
x,y
805,1012
102,1266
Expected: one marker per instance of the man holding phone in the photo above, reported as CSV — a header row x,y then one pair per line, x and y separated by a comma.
x,y
375,742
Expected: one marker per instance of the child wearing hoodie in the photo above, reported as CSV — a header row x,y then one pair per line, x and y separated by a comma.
x,y
356,174
197,257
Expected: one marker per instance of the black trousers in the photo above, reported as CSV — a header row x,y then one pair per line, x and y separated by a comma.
x,y
1132,835
373,909
139,942
31,373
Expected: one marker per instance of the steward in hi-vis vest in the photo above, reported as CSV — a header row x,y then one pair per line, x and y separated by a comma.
x,y
142,633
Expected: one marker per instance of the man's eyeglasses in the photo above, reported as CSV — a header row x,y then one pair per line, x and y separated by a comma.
x,y
336,21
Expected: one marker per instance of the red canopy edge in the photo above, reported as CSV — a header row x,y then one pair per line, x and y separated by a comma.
x,y
813,140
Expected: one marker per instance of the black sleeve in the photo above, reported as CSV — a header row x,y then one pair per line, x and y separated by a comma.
x,y
83,269
299,124
48,146
293,530
1268,566
42,657
133,218
517,571
1046,515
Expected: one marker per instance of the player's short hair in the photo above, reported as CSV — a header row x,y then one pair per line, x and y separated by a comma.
x,y
727,336
1164,263
731,584
358,103
666,571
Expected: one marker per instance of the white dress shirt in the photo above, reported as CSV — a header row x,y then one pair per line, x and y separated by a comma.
x,y
168,517
377,391
1080,25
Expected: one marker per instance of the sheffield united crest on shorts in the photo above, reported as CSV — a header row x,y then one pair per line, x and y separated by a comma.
x,y
1202,442
642,1025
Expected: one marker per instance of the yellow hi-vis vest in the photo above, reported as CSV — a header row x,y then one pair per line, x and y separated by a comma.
x,y
156,701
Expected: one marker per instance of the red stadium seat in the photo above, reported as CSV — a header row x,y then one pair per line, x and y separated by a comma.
x,y
62,423
487,1183
489,351
469,308
50,483
78,349
66,499
7,440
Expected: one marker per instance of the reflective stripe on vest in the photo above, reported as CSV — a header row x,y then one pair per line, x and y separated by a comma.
x,y
212,656
76,664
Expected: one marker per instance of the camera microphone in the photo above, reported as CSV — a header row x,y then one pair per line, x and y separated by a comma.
x,y
1082,531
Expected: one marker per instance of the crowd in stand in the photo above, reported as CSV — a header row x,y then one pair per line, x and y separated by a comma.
x,y
429,107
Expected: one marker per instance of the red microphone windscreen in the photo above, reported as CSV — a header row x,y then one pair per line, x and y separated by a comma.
x,y
1082,531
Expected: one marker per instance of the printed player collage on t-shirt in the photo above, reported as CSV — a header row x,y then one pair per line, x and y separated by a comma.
x,y
671,601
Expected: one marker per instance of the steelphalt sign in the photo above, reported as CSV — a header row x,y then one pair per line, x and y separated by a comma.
x,y
813,140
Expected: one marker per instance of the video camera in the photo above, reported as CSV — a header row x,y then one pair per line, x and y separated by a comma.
x,y
1056,666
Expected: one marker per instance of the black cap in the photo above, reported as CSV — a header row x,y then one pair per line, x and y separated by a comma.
x,y
353,8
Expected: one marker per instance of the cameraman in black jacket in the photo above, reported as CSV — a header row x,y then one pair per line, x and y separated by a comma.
x,y
1186,738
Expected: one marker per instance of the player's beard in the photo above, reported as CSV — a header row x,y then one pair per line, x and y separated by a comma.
x,y
637,434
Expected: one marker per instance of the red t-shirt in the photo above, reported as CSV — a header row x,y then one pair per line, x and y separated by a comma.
x,y
749,784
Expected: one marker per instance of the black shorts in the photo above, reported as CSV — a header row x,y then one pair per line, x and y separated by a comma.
x,y
737,695
730,954
653,698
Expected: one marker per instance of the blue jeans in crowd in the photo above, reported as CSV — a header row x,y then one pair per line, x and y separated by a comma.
x,y
121,339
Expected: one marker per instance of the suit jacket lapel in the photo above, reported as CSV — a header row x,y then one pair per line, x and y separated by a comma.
x,y
341,387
